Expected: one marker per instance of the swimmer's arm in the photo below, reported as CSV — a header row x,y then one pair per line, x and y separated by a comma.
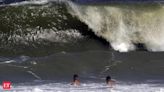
x,y
76,83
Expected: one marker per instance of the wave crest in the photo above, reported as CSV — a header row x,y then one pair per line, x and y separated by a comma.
x,y
125,25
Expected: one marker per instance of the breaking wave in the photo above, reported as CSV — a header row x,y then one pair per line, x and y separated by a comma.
x,y
122,25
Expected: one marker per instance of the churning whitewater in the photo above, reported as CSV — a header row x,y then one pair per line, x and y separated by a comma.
x,y
125,25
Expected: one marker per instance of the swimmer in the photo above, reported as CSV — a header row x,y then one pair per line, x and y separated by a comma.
x,y
109,81
76,81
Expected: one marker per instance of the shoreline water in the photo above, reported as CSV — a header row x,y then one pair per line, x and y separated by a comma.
x,y
87,87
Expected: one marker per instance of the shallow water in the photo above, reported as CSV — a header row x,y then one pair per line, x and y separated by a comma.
x,y
87,87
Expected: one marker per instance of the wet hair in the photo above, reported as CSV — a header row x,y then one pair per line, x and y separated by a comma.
x,y
108,78
75,77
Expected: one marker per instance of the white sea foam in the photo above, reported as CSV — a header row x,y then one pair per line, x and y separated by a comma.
x,y
123,26
89,87
59,36
35,2
62,36
8,61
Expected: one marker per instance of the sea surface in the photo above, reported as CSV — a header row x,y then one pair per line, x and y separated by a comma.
x,y
44,42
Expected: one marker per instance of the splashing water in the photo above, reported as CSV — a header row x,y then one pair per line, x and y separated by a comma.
x,y
125,25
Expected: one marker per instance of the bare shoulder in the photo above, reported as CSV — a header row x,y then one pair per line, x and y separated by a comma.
x,y
114,81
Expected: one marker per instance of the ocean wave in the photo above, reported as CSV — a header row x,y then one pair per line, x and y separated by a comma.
x,y
125,25
24,24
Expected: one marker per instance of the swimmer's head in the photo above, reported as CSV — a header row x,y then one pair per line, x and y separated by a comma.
x,y
108,78
75,77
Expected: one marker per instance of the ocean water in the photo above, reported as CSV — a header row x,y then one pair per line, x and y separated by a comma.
x,y
44,42
90,87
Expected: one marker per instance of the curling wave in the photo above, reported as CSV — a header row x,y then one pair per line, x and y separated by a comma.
x,y
124,25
